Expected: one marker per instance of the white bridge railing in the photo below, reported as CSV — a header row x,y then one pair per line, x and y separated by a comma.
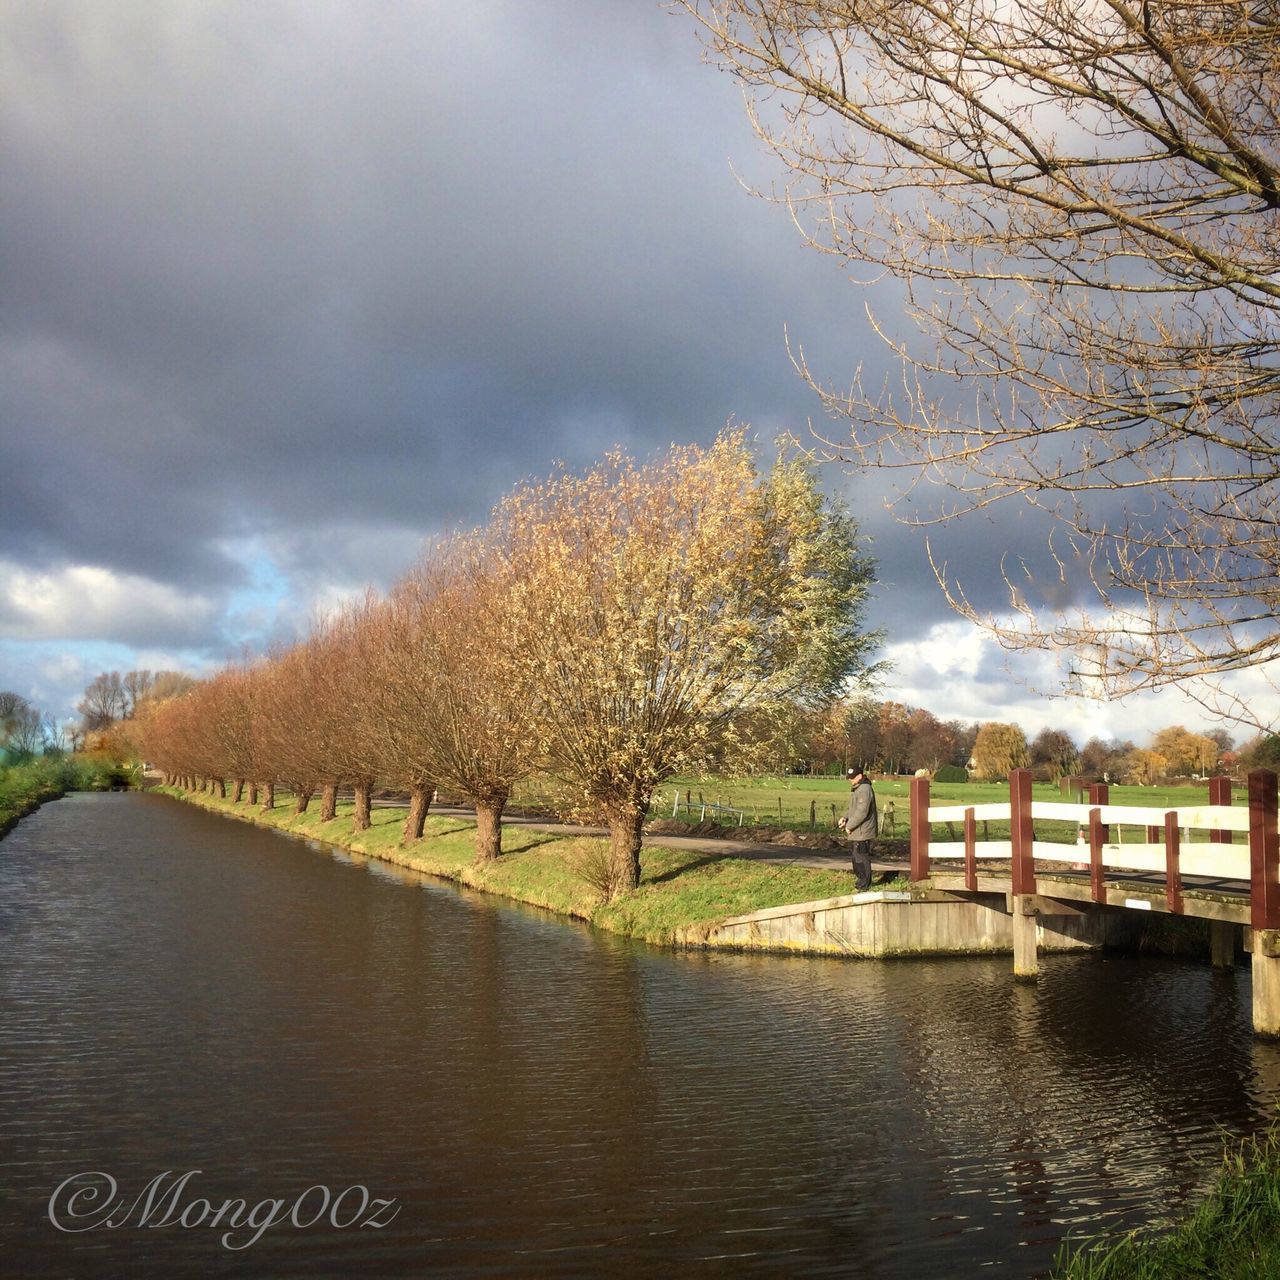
x,y
1188,840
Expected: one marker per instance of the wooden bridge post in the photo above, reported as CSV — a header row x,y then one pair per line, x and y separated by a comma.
x,y
1025,917
1172,869
920,828
1222,933
1222,943
970,851
1264,915
1022,876
1023,868
1097,873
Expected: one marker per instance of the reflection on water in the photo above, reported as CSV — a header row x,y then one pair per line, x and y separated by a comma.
x,y
182,992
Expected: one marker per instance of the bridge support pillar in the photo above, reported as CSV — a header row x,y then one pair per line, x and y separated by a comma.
x,y
1266,983
1222,944
1026,962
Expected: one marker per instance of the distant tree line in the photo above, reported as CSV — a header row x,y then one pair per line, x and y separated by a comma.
x,y
109,699
897,739
605,630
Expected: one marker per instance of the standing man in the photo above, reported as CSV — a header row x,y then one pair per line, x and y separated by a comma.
x,y
859,823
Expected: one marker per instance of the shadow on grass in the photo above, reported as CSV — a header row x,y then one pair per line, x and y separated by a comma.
x,y
686,867
531,840
446,831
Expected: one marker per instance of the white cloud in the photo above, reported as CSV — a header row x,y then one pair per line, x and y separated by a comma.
x,y
959,672
88,602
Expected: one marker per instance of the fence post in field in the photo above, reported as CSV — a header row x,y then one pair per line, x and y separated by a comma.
x,y
1220,793
1264,867
1100,794
813,815
919,828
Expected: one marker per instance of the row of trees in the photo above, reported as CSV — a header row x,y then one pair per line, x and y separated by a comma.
x,y
889,735
606,630
1174,752
896,738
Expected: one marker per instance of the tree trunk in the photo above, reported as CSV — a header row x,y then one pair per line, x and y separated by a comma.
x,y
624,847
419,804
253,793
222,788
364,801
329,802
237,791
489,827
268,795
304,799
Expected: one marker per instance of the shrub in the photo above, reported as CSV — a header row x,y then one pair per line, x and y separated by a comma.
x,y
951,773
596,869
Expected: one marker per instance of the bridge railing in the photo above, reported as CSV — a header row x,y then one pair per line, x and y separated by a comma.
x,y
1189,840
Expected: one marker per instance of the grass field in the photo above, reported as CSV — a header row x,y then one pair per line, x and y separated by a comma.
x,y
786,801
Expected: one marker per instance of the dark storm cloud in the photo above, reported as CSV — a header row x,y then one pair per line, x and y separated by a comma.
x,y
268,264
320,280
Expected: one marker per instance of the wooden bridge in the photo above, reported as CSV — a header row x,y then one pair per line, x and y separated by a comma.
x,y
1217,861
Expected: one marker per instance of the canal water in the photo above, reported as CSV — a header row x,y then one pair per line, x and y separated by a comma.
x,y
181,994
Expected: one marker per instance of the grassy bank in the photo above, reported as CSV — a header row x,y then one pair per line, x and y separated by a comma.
x,y
25,787
681,889
1233,1235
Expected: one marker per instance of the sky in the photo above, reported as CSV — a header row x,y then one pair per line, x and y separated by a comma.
x,y
290,286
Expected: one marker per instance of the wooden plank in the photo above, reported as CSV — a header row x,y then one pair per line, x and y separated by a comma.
x,y
956,812
1201,817
947,850
1193,817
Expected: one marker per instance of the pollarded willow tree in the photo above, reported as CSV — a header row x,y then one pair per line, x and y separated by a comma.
x,y
454,698
340,663
1082,200
661,612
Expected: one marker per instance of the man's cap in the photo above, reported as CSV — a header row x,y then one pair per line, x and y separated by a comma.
x,y
853,773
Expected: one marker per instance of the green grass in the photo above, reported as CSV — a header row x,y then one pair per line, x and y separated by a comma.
x,y
785,801
680,889
1233,1235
